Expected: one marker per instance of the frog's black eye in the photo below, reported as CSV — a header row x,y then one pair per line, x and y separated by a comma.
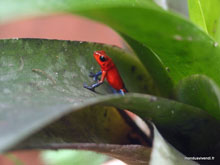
x,y
102,58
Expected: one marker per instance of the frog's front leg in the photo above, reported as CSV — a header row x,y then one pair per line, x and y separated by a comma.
x,y
95,76
93,86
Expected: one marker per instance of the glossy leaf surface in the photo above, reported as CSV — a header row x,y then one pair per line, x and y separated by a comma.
x,y
43,79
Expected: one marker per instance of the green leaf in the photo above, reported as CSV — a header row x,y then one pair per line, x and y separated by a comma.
x,y
181,45
212,16
196,14
185,127
42,79
51,138
153,64
90,124
95,128
200,91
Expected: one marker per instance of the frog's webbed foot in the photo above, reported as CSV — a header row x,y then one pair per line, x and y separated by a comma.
x,y
89,87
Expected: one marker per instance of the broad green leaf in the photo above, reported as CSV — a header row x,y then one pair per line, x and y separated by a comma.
x,y
55,90
212,16
165,33
53,139
42,79
182,46
200,91
152,63
196,14
185,127
190,129
94,124
95,128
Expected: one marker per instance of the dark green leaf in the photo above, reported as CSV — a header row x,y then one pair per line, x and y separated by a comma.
x,y
42,79
181,45
186,127
52,138
200,91
153,64
88,125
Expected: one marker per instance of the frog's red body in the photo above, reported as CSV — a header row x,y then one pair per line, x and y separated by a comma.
x,y
108,71
114,79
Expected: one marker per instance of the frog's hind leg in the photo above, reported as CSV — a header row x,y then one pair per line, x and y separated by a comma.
x,y
121,91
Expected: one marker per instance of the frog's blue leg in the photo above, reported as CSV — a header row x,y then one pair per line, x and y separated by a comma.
x,y
95,76
121,92
113,90
93,86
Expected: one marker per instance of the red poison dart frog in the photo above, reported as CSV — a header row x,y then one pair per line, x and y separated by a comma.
x,y
108,71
